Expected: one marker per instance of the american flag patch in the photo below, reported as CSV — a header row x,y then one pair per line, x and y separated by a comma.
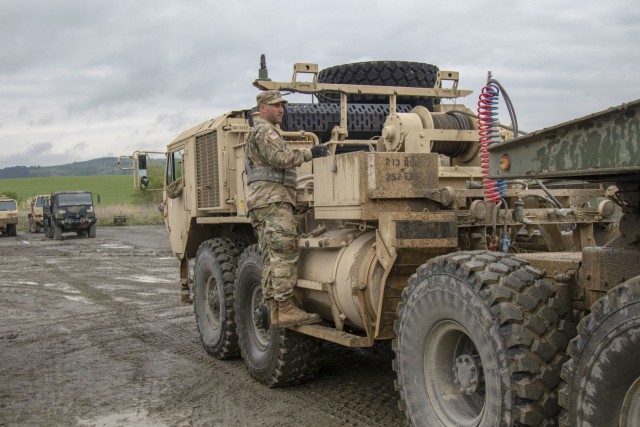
x,y
274,136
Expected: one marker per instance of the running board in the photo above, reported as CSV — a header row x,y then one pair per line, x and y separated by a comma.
x,y
333,335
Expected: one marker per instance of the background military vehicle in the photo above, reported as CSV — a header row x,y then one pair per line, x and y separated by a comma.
x,y
35,214
406,237
8,216
70,211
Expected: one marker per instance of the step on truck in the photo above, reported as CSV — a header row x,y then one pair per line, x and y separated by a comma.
x,y
409,234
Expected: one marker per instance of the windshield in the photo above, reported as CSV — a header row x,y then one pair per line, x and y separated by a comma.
x,y
72,199
41,201
8,205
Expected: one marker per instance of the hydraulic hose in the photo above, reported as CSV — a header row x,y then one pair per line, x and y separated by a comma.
x,y
488,132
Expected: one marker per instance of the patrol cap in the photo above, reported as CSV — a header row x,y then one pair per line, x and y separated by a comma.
x,y
270,97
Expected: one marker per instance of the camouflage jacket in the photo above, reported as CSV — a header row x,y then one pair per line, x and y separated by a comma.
x,y
268,151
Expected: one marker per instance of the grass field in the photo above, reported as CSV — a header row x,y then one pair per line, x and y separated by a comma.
x,y
117,196
112,189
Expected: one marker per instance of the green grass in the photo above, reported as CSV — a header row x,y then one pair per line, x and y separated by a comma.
x,y
112,189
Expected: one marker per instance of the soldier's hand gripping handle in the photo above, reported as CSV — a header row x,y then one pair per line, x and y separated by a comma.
x,y
319,151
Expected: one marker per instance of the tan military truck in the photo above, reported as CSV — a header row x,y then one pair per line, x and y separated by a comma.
x,y
35,214
404,236
8,216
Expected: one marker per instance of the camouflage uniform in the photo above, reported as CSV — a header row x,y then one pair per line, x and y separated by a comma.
x,y
270,200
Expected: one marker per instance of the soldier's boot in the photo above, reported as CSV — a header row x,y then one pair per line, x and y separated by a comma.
x,y
273,311
290,315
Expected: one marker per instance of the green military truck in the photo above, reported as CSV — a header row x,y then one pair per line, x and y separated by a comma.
x,y
35,214
8,216
70,211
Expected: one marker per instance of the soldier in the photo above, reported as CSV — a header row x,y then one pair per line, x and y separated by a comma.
x,y
271,187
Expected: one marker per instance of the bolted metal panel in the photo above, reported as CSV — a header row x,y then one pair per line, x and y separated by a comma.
x,y
596,146
208,171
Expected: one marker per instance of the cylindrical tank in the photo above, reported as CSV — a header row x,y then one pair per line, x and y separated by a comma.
x,y
344,261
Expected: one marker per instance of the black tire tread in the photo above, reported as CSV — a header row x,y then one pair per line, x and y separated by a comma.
x,y
528,314
226,254
622,297
380,73
297,355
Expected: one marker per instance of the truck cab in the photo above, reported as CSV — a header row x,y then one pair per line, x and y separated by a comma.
x,y
8,216
70,211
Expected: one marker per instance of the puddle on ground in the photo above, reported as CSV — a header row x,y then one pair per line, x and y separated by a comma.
x,y
137,418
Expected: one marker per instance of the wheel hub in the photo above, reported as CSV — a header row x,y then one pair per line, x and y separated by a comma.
x,y
214,301
466,374
261,316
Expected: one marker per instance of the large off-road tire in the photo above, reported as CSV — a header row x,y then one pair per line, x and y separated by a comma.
x,y
602,377
12,230
478,343
214,296
380,73
57,232
274,356
38,228
92,231
32,226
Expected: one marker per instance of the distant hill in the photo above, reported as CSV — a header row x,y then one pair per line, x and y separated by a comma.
x,y
100,167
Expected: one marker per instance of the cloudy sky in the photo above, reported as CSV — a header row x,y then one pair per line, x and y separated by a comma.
x,y
81,79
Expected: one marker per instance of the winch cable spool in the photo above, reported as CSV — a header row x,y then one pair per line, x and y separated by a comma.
x,y
488,132
451,120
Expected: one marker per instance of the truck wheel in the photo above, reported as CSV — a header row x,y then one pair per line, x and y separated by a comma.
x,y
38,229
213,296
92,231
12,230
32,226
274,356
380,73
478,343
57,232
602,376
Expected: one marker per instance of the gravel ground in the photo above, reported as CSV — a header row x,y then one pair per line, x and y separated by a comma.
x,y
92,333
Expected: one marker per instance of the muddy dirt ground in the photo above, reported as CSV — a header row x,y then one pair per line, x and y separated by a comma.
x,y
92,333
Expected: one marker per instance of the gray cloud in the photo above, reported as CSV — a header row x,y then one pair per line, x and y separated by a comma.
x,y
120,76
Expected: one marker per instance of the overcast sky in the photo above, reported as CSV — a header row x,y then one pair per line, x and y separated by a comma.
x,y
81,79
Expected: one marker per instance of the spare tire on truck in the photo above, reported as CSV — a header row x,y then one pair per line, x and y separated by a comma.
x,y
380,73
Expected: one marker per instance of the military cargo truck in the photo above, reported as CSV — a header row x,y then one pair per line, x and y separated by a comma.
x,y
404,237
70,211
35,214
8,216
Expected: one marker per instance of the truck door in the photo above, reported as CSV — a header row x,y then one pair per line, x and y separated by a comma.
x,y
176,214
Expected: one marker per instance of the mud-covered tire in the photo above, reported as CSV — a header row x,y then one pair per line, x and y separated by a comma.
x,y
92,231
38,228
32,226
12,230
214,294
274,356
478,343
602,377
57,232
380,73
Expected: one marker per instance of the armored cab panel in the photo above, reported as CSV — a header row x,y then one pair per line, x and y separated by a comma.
x,y
360,185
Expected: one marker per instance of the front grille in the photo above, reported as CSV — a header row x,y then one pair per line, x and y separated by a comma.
x,y
208,173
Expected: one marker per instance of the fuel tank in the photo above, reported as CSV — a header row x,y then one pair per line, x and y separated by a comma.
x,y
339,276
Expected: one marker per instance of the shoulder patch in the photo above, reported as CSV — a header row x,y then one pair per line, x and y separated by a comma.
x,y
274,136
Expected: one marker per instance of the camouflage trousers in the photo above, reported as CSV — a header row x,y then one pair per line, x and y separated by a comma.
x,y
277,232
